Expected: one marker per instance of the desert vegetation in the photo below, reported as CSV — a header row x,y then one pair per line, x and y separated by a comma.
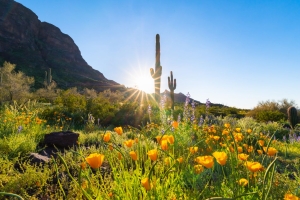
x,y
131,147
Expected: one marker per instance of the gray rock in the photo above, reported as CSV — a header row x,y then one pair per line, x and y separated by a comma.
x,y
63,139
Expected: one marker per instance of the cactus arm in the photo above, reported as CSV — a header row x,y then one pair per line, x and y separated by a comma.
x,y
152,72
174,84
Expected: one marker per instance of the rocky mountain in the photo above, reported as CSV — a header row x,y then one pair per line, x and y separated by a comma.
x,y
36,46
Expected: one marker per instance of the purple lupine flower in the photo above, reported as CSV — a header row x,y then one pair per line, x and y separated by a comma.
x,y
193,111
163,100
193,104
186,111
187,100
179,118
201,121
207,104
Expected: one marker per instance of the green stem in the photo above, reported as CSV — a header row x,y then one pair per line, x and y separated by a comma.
x,y
265,177
11,194
59,183
68,172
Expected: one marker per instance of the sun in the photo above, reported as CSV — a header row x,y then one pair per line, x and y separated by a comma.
x,y
141,79
144,82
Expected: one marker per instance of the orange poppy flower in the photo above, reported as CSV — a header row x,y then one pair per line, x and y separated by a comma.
x,y
152,154
206,161
227,125
271,151
243,182
221,157
243,156
146,184
193,149
240,149
95,160
250,149
129,143
175,124
171,139
180,159
238,137
118,130
238,130
106,137
261,143
289,196
164,145
225,132
259,152
254,166
133,155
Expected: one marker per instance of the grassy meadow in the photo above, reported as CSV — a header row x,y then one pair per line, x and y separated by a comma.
x,y
190,157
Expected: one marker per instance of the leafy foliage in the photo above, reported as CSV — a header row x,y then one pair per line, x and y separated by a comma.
x,y
14,86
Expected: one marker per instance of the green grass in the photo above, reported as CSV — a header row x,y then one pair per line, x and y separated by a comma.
x,y
69,176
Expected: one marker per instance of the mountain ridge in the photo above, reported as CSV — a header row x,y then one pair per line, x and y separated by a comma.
x,y
35,46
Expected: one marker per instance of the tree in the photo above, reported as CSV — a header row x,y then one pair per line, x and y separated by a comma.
x,y
271,110
14,86
47,94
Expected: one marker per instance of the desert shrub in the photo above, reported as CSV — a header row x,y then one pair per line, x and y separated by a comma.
x,y
72,101
271,110
101,108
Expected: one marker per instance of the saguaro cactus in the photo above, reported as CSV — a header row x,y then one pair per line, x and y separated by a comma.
x,y
156,74
172,87
48,77
292,116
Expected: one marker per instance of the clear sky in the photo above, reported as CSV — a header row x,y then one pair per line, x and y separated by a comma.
x,y
234,52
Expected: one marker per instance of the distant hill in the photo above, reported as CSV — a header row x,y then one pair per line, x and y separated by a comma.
x,y
35,46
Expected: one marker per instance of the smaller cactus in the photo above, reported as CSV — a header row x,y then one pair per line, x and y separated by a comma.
x,y
292,116
48,77
172,87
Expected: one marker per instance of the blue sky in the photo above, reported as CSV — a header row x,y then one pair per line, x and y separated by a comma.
x,y
233,52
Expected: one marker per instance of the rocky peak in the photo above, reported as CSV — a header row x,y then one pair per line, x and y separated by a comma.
x,y
35,46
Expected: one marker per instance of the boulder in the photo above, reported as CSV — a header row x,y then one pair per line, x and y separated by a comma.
x,y
62,139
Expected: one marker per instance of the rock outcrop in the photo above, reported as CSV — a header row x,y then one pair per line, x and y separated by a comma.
x,y
35,46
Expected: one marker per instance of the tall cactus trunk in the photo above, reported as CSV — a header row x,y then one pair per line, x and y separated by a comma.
x,y
156,74
172,87
292,116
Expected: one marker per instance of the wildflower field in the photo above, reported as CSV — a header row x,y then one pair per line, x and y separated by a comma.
x,y
190,157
